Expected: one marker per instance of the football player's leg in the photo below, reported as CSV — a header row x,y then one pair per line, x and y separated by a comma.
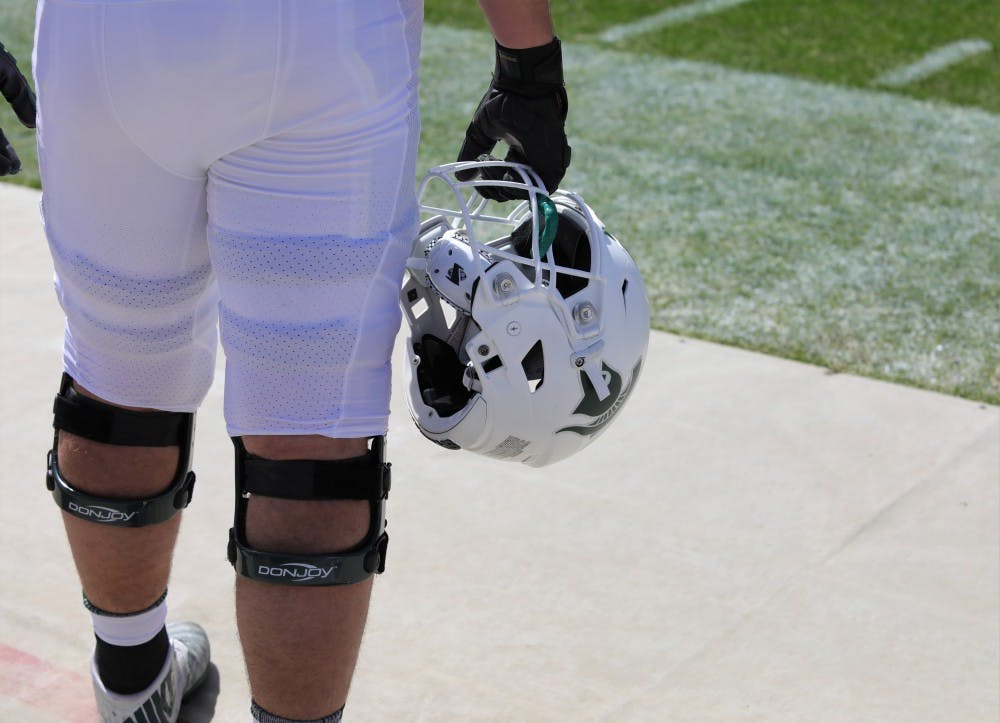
x,y
308,232
133,277
306,568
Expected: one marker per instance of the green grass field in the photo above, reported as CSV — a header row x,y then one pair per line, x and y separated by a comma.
x,y
774,195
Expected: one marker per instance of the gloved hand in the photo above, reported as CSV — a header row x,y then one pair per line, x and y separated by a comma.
x,y
16,90
525,106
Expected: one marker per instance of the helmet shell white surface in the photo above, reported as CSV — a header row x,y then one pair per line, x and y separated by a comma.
x,y
523,345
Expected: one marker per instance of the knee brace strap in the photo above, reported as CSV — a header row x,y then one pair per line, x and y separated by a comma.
x,y
100,422
361,478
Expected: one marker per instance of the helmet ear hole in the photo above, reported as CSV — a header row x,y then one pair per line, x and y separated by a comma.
x,y
440,376
533,365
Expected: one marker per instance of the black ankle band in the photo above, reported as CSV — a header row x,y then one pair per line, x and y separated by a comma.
x,y
98,611
131,669
262,716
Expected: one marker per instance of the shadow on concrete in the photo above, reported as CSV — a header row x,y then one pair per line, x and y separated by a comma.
x,y
200,707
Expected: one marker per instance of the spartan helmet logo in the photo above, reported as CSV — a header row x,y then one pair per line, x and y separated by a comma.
x,y
603,411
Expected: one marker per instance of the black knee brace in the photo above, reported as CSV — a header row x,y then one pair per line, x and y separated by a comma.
x,y
360,478
100,422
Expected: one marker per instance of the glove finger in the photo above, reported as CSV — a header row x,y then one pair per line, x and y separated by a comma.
x,y
496,193
546,150
477,143
491,124
25,107
9,162
497,123
535,131
15,89
500,193
506,193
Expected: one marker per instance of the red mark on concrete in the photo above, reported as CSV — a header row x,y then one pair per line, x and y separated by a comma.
x,y
65,695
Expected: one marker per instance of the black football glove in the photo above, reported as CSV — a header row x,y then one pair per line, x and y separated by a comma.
x,y
525,106
16,90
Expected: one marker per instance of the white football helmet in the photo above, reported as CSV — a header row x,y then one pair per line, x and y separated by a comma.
x,y
528,329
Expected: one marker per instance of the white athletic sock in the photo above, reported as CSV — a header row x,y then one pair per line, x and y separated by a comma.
x,y
129,629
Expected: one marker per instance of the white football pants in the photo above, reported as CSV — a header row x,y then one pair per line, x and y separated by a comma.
x,y
247,164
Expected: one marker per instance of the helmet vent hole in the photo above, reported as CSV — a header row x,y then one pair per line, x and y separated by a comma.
x,y
492,364
450,315
624,293
419,308
533,365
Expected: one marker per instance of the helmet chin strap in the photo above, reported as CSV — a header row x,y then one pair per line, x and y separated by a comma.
x,y
456,335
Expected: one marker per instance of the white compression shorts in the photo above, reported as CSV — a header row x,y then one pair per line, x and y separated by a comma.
x,y
246,165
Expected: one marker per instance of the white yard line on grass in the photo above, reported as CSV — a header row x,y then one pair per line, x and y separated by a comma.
x,y
933,62
670,16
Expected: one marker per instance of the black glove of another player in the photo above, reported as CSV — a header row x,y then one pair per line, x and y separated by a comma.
x,y
16,90
525,106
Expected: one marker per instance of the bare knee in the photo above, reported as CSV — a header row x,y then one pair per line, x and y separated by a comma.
x,y
314,526
112,470
303,446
